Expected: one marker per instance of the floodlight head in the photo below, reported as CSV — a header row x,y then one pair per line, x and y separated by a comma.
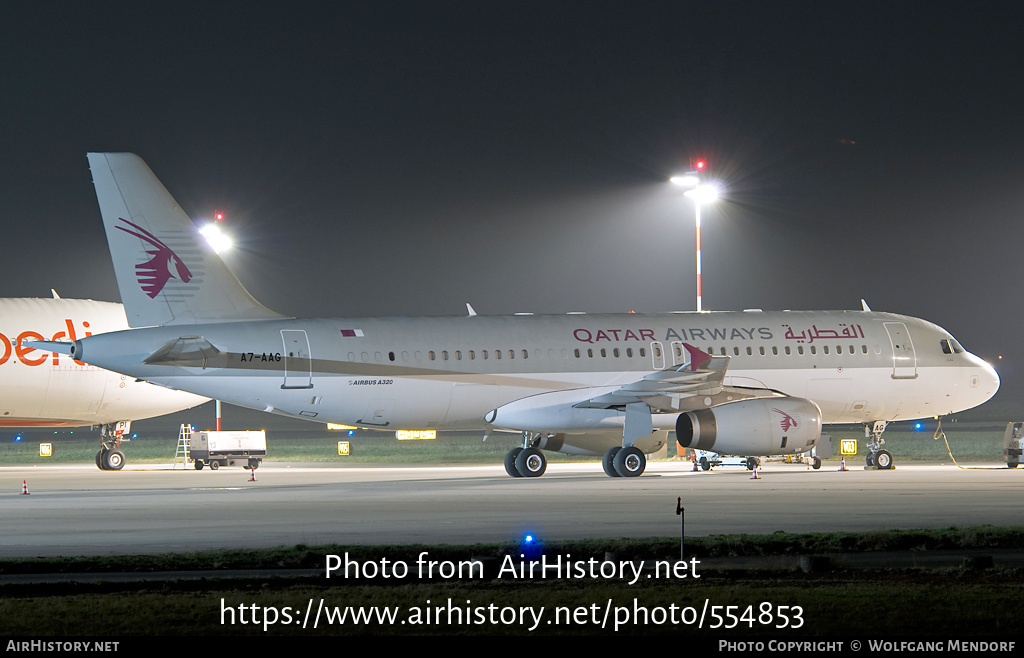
x,y
217,239
704,193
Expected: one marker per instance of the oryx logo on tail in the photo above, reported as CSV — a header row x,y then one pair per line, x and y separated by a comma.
x,y
787,420
154,274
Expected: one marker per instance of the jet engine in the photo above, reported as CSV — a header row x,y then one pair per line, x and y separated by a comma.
x,y
761,426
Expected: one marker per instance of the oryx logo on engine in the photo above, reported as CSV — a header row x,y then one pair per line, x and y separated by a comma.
x,y
787,421
154,274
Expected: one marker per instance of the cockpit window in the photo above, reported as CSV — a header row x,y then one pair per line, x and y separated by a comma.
x,y
950,346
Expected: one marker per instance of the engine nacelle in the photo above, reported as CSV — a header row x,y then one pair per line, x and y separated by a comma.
x,y
761,426
572,430
554,412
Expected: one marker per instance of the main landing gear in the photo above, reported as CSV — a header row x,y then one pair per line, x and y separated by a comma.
x,y
110,457
619,462
877,457
527,461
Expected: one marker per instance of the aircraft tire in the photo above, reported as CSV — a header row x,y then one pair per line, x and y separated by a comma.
x,y
883,459
816,464
531,463
871,459
510,462
608,462
113,460
630,462
99,461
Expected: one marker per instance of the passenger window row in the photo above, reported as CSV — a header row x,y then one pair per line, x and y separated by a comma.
x,y
788,350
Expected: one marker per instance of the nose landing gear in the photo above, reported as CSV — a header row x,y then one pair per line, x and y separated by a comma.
x,y
110,457
877,457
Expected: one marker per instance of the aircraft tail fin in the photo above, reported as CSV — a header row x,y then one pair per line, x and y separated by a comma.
x,y
166,270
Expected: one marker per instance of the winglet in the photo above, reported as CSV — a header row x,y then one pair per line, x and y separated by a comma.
x,y
470,310
698,357
864,305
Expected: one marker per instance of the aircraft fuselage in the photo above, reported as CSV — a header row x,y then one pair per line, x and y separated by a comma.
x,y
449,372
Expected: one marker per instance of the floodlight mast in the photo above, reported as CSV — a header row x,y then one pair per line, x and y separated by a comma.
x,y
218,241
701,193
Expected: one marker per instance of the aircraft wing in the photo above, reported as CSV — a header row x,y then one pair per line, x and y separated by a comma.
x,y
663,390
675,389
696,384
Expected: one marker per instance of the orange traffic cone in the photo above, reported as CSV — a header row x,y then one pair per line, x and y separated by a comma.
x,y
755,476
24,488
252,475
842,467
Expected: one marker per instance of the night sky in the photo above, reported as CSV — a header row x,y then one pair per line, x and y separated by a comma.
x,y
404,158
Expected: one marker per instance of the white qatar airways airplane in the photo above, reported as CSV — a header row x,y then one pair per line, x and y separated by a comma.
x,y
38,389
746,383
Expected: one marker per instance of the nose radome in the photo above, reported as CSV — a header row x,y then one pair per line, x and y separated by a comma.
x,y
985,380
994,378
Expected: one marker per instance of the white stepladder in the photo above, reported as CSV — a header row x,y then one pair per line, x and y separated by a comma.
x,y
184,442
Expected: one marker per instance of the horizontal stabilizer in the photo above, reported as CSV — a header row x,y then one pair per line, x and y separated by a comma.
x,y
187,350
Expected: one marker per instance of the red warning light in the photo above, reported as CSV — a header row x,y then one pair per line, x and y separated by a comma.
x,y
219,216
701,164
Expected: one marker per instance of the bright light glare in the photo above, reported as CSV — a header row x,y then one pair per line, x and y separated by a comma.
x,y
686,180
705,193
218,239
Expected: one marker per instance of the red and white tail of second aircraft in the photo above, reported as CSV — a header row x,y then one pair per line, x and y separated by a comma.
x,y
43,389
